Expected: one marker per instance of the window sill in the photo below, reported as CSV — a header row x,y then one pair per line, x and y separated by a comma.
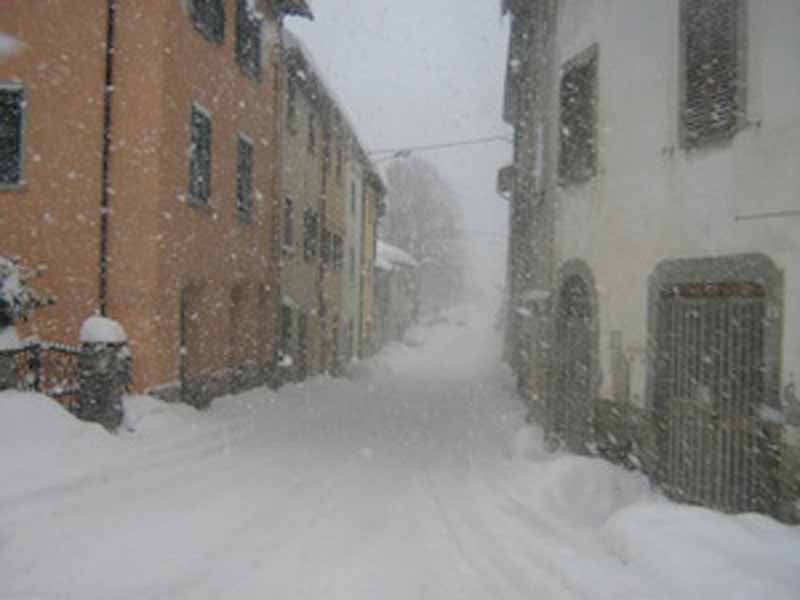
x,y
202,206
718,140
256,77
711,144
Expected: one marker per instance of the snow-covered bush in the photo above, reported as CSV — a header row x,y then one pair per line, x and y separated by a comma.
x,y
17,297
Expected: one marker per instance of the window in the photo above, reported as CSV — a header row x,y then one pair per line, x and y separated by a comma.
x,y
339,164
326,159
244,180
578,101
208,17
286,329
353,198
288,226
248,39
351,339
291,105
312,132
302,341
338,252
12,110
352,264
712,44
200,162
310,234
326,252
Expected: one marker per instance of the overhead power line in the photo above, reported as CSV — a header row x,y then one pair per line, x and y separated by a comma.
x,y
406,151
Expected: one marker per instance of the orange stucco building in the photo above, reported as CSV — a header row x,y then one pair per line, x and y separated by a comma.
x,y
146,178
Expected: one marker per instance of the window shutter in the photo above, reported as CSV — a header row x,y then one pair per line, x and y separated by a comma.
x,y
310,234
711,46
244,181
200,167
312,132
338,252
286,328
307,234
209,18
288,223
578,101
12,102
248,39
326,250
291,111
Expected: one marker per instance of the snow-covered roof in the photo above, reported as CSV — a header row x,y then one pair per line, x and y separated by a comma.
x,y
312,76
391,256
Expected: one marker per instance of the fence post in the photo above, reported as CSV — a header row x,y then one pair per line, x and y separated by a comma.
x,y
9,346
105,372
8,370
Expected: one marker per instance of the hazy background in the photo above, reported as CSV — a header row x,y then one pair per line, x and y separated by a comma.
x,y
416,72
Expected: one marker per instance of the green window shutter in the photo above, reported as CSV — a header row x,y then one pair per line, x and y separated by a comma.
x,y
244,180
200,162
578,132
711,46
12,108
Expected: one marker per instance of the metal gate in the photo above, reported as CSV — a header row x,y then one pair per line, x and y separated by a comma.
x,y
572,405
710,386
51,369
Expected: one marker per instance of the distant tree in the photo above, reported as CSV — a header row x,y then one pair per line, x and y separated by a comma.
x,y
425,219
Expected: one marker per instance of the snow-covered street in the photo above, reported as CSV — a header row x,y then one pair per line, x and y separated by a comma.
x,y
414,478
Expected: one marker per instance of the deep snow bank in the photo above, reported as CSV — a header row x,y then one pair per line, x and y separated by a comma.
x,y
43,446
691,552
413,478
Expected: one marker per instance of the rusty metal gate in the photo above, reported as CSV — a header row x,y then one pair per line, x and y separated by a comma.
x,y
710,386
572,405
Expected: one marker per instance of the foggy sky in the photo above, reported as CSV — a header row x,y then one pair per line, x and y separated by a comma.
x,y
417,72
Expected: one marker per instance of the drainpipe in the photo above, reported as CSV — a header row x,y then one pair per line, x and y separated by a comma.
x,y
276,269
105,192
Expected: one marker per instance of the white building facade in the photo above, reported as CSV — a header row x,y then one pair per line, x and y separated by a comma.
x,y
656,163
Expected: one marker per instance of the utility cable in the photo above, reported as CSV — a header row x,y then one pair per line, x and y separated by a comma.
x,y
406,151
